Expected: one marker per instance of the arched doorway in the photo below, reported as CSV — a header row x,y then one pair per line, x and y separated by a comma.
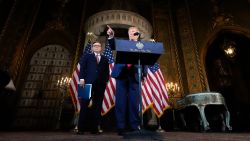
x,y
40,104
229,74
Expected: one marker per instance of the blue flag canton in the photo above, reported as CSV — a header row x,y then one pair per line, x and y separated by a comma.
x,y
108,54
87,49
154,68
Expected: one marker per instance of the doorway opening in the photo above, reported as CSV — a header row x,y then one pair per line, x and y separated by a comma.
x,y
228,72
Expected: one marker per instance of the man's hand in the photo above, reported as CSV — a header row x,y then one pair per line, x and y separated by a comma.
x,y
90,103
82,82
110,32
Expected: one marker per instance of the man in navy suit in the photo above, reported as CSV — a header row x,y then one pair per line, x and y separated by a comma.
x,y
127,88
94,69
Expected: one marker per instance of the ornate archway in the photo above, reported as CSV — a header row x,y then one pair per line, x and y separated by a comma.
x,y
118,19
229,74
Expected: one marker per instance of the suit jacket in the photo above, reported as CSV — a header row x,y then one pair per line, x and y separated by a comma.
x,y
120,70
92,72
98,75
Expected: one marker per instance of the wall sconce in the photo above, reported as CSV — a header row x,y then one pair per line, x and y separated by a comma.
x,y
63,82
229,48
172,87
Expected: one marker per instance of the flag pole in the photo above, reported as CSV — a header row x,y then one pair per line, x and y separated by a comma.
x,y
159,127
140,105
139,79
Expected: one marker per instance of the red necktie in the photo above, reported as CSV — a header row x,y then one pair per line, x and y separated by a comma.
x,y
129,65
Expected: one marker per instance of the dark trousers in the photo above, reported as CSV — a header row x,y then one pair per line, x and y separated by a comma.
x,y
94,111
127,93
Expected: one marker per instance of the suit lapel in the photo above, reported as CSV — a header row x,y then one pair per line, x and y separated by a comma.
x,y
93,58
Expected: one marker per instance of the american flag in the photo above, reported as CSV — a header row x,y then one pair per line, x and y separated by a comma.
x,y
73,87
156,90
147,95
109,94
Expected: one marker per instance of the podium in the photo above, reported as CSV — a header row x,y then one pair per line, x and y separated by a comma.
x,y
140,53
129,52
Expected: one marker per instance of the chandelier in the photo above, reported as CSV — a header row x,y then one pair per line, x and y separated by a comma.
x,y
229,48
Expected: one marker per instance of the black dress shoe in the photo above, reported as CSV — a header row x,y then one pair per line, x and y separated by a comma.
x,y
134,132
100,131
79,132
95,132
121,132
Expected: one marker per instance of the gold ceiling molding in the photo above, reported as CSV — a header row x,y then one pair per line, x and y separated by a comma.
x,y
118,19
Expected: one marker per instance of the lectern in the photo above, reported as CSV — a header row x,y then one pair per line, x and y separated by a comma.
x,y
129,52
140,53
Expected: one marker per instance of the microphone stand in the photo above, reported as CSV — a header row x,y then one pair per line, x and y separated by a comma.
x,y
139,79
142,132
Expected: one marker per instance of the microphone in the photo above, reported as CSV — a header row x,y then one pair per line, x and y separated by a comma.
x,y
137,34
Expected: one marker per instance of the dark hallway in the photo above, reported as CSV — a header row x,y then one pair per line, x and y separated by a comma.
x,y
229,75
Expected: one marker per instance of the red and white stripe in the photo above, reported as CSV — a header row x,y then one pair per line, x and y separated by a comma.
x,y
74,88
109,94
159,92
147,95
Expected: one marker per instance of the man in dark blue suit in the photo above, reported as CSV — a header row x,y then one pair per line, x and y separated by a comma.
x,y
127,88
94,69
